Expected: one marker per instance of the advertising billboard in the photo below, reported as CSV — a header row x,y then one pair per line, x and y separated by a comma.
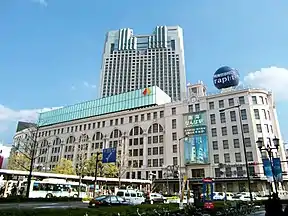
x,y
196,142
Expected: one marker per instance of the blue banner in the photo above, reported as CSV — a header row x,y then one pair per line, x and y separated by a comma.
x,y
196,142
277,169
208,190
196,149
267,169
109,155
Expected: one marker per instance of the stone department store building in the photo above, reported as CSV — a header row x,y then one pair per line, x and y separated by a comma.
x,y
147,130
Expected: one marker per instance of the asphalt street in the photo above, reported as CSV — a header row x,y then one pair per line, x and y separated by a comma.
x,y
40,205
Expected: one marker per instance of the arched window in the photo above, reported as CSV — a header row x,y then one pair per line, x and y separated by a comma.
x,y
57,141
116,134
71,140
97,136
115,138
136,131
155,128
83,138
97,142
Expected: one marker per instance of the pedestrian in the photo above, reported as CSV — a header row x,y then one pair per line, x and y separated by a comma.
x,y
286,211
273,206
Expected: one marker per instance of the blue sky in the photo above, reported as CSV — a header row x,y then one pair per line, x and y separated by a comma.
x,y
50,51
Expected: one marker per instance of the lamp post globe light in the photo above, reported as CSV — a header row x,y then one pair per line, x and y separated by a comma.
x,y
269,149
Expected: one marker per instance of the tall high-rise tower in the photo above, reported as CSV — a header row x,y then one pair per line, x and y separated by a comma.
x,y
133,62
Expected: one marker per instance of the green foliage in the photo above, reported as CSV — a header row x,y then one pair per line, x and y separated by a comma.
x,y
104,170
64,167
102,211
18,161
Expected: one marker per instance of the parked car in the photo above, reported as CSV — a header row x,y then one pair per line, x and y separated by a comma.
x,y
109,200
157,198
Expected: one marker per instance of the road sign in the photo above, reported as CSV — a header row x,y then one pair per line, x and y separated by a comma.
x,y
109,155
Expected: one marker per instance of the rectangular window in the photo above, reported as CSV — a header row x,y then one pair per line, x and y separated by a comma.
x,y
245,128
216,158
224,131
174,125
214,132
161,114
221,103
211,105
174,136
236,143
175,148
175,161
249,156
222,117
155,115
259,128
231,102
238,157
227,158
215,145
247,142
234,129
225,144
173,110
197,107
256,114
142,117
264,113
232,116
254,99
241,100
212,118
190,108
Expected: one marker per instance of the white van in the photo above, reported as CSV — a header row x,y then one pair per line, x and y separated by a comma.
x,y
133,196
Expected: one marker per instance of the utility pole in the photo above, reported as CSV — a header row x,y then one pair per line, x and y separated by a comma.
x,y
96,171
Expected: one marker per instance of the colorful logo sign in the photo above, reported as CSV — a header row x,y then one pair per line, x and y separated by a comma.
x,y
196,142
146,91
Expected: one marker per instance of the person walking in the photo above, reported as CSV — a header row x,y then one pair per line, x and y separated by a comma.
x,y
273,206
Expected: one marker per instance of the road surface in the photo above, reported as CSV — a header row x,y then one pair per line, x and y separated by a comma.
x,y
41,205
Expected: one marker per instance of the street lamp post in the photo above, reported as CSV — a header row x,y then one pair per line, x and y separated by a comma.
x,y
244,147
179,171
269,150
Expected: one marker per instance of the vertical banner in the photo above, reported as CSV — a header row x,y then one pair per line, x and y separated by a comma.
x,y
196,142
208,192
267,169
277,169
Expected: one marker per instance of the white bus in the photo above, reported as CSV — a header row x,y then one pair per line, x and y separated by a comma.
x,y
48,188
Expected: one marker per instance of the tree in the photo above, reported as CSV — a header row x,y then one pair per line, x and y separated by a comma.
x,y
104,170
18,161
64,167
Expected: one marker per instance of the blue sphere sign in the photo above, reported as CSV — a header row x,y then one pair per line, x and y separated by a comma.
x,y
226,77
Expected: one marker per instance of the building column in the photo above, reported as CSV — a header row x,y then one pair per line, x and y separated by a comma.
x,y
145,149
75,154
62,150
89,149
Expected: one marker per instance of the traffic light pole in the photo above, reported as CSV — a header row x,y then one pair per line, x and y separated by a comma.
x,y
96,172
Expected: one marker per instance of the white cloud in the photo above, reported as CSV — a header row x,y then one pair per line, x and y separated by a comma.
x,y
41,2
88,85
272,78
9,116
